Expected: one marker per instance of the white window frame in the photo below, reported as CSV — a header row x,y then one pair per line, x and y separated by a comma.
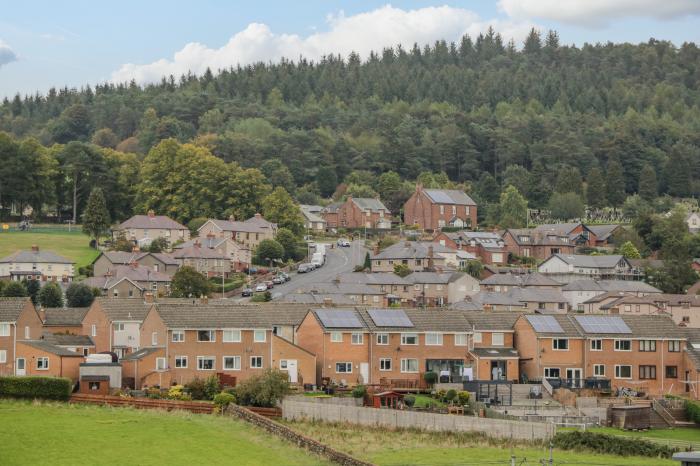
x,y
42,363
118,326
234,358
202,358
180,360
500,341
336,337
5,330
405,369
598,370
161,364
596,342
154,339
93,330
27,332
550,369
228,335
180,336
555,346
212,337
255,358
674,346
405,336
383,364
382,339
3,356
438,339
617,371
257,336
346,364
478,337
459,336
357,338
618,345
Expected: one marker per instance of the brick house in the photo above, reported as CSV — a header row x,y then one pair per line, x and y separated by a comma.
x,y
640,352
66,321
488,247
419,256
432,209
142,229
504,281
537,243
41,358
523,300
330,214
603,234
492,349
19,321
208,262
115,324
43,266
248,233
579,291
131,281
362,213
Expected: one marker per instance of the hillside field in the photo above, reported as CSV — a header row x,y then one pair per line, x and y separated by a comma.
x,y
74,245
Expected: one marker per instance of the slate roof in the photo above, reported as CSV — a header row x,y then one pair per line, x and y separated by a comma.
x,y
197,252
312,213
646,263
228,225
11,308
434,277
142,353
368,203
71,316
424,320
603,232
316,298
642,326
136,274
539,237
632,286
259,221
205,316
50,348
498,352
412,250
376,278
157,222
630,299
332,208
570,329
339,288
518,296
43,257
467,305
64,339
523,280
492,320
449,196
124,309
595,262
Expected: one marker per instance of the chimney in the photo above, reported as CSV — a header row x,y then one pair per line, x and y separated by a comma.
x,y
35,248
211,235
327,302
151,213
135,249
204,300
196,243
487,308
231,218
407,244
149,297
431,262
419,187
108,273
42,314
376,249
134,264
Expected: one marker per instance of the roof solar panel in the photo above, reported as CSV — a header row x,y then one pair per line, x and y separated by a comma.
x,y
545,324
339,318
389,318
603,324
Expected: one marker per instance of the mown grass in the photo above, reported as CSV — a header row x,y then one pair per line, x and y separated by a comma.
x,y
63,434
688,434
74,245
387,447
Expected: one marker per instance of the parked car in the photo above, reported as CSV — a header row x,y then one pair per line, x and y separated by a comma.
x,y
278,280
247,292
270,284
343,243
261,287
303,268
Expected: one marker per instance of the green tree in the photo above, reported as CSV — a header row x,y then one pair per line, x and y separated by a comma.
x,y
402,270
293,250
566,206
278,174
648,187
569,181
32,287
326,180
51,295
368,262
630,251
159,244
264,390
487,189
105,137
280,208
188,283
475,269
512,209
79,295
615,183
595,188
268,251
518,176
14,290
96,219
122,244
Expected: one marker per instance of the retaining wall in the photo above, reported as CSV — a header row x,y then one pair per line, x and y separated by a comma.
x,y
334,400
392,418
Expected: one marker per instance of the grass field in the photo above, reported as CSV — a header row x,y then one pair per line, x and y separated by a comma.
x,y
62,434
688,434
74,245
389,448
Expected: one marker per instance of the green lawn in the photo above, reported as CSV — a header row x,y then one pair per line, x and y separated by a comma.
x,y
423,401
688,434
62,434
74,245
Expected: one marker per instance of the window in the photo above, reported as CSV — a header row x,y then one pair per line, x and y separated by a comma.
x,y
259,336
671,372
647,372
597,345
409,339
357,338
256,362
178,336
477,337
551,372
231,336
623,345
385,364
161,364
343,367
5,330
409,365
93,330
206,335
42,364
336,337
647,345
560,344
433,339
497,339
598,370
3,356
154,338
497,257
283,364
442,210
233,363
181,362
623,372
205,363
460,339
118,326
674,346
382,338
27,334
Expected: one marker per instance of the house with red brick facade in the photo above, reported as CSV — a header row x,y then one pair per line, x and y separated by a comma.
x,y
488,247
114,324
537,243
494,356
19,321
358,212
42,358
433,209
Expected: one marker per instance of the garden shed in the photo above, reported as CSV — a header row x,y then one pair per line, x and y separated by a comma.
x,y
388,399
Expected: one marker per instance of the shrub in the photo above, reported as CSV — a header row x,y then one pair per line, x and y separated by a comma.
x,y
440,395
223,399
409,400
692,410
261,297
463,398
263,390
212,386
609,444
177,392
197,389
430,377
359,392
48,388
451,394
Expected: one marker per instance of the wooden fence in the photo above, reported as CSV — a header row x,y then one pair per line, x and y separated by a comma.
x,y
266,412
144,403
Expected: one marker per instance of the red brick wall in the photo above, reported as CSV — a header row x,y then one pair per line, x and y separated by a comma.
x,y
95,315
420,210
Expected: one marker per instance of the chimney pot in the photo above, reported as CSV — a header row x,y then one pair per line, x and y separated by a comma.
x,y
327,302
151,213
135,249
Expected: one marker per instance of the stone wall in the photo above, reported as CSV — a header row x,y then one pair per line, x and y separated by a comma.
x,y
296,438
396,419
334,400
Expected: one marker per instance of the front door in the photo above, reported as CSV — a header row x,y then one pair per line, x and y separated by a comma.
x,y
364,372
574,376
292,371
498,370
21,367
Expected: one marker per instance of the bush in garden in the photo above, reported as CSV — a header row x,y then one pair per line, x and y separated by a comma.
x,y
223,399
264,390
177,392
212,386
430,378
450,395
359,392
409,400
609,444
463,398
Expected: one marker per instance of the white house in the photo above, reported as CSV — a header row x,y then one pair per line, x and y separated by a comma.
x,y
37,265
566,268
579,291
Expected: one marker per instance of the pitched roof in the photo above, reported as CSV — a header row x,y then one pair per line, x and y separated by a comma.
x,y
123,309
540,237
339,288
228,225
66,339
38,256
642,326
523,280
197,252
135,273
492,320
569,329
467,305
50,348
158,222
316,298
368,203
603,232
312,213
412,250
231,316
449,196
375,278
423,320
71,316
11,308
595,262
518,296
125,258
434,277
331,208
610,285
646,263
142,353
260,221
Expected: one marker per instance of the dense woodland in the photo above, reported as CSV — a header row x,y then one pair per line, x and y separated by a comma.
x,y
601,121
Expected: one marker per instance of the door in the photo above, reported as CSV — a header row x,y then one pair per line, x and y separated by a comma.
x,y
574,376
292,371
21,367
364,372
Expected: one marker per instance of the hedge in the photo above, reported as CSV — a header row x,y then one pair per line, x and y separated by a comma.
x,y
692,410
610,444
49,388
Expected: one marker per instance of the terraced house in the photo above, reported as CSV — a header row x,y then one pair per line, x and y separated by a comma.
x,y
488,247
42,266
115,324
248,233
19,321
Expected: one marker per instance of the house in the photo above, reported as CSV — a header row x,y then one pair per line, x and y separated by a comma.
x,y
693,222
36,265
566,268
505,281
604,234
691,376
19,321
537,243
259,221
238,254
363,213
359,294
313,220
492,351
331,215
63,320
159,262
142,229
541,300
248,233
115,324
42,358
683,308
131,281
81,344
643,352
208,262
579,291
433,209
488,247
419,256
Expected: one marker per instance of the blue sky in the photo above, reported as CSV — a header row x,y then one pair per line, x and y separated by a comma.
x,y
44,44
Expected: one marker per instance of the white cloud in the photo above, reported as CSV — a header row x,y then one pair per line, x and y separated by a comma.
x,y
53,37
597,13
362,33
7,55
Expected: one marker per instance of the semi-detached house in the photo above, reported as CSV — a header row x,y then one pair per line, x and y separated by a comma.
x,y
19,321
433,209
143,229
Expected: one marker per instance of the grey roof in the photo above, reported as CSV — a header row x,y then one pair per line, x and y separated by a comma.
x,y
610,285
596,262
11,308
229,225
316,209
449,196
375,278
412,250
206,242
424,320
492,320
158,222
38,256
434,277
208,316
523,280
316,298
135,273
562,229
66,339
123,309
498,352
142,353
467,305
312,213
332,208
58,316
603,232
259,221
50,348
125,258
368,203
569,328
339,288
646,263
196,251
518,296
641,326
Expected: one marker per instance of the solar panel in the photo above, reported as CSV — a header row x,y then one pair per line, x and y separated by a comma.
x,y
390,318
545,324
338,319
603,324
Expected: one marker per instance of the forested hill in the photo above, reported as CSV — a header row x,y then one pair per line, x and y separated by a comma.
x,y
471,108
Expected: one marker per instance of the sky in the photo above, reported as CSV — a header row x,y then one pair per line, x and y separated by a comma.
x,y
72,43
